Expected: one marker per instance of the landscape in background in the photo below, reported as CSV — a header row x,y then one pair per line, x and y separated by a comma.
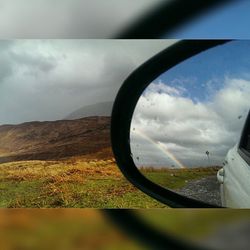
x,y
64,163
69,163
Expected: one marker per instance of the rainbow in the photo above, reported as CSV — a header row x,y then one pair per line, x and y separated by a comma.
x,y
161,147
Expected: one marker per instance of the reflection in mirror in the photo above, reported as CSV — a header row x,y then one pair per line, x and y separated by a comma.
x,y
187,125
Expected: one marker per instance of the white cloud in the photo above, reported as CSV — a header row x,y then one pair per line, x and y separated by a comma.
x,y
187,128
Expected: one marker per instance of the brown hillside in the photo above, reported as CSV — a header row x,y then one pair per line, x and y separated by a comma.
x,y
54,139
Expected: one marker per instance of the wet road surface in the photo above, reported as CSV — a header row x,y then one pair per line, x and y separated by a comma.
x,y
206,189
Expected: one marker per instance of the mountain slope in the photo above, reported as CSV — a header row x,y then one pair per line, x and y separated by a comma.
x,y
55,139
98,109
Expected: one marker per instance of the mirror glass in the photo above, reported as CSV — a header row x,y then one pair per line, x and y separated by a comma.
x,y
187,126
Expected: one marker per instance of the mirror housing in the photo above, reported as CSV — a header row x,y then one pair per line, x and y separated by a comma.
x,y
123,109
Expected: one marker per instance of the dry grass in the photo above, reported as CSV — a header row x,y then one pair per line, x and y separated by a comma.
x,y
73,182
58,171
82,182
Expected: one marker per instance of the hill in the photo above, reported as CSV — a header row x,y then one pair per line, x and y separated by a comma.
x,y
51,140
98,109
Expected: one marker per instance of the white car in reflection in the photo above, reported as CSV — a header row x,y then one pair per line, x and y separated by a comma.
x,y
234,177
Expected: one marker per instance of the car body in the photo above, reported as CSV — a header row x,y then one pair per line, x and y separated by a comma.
x,y
235,175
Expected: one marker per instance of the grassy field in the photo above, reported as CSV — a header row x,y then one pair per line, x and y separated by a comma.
x,y
89,228
71,183
60,229
177,178
78,183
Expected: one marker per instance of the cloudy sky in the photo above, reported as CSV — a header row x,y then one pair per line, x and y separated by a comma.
x,y
105,18
69,18
200,105
48,79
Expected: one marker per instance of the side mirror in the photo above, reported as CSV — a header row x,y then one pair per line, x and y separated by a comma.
x,y
176,118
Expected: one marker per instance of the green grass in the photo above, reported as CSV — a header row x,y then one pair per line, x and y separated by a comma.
x,y
79,183
13,194
60,229
177,178
193,224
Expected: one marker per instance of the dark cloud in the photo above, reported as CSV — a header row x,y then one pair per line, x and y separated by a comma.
x,y
48,79
6,65
5,68
67,18
34,62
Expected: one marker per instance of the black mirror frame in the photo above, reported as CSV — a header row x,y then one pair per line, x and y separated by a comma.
x,y
123,109
131,224
167,17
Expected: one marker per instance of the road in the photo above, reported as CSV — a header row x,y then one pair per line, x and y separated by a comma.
x,y
206,189
229,236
